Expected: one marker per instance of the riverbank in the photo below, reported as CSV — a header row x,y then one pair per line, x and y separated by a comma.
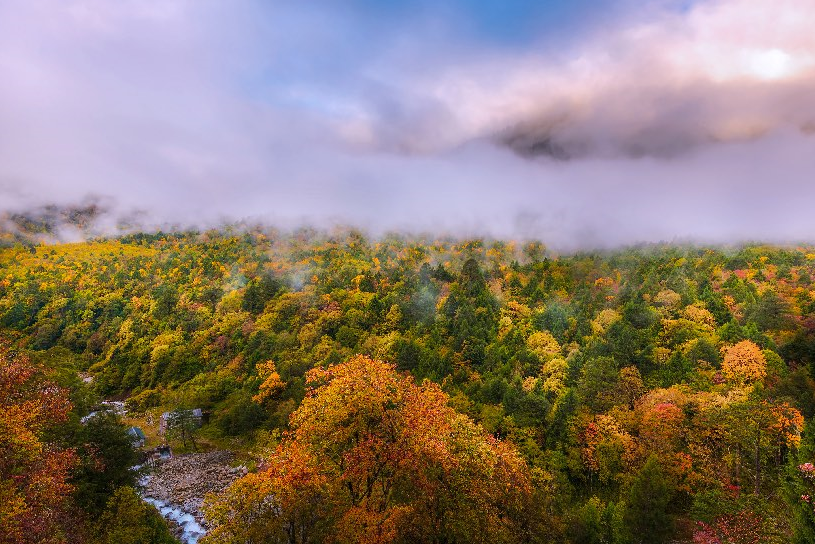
x,y
177,487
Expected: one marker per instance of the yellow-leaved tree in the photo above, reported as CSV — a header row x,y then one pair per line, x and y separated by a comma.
x,y
744,362
372,457
543,344
272,384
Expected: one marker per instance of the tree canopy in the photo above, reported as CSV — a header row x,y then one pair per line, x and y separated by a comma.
x,y
373,457
573,369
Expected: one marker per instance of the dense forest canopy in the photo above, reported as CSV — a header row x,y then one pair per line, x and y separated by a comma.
x,y
637,395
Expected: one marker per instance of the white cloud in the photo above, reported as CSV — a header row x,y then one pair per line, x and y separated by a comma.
x,y
198,110
725,70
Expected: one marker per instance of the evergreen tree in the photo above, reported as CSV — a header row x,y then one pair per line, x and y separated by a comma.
x,y
648,499
106,453
129,520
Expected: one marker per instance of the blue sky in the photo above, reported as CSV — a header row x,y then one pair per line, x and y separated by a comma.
x,y
581,123
354,32
509,22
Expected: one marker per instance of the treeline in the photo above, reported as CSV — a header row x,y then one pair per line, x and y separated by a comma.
x,y
652,393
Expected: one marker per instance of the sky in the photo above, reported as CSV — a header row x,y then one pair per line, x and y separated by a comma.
x,y
580,123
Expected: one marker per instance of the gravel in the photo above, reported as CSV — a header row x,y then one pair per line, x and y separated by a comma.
x,y
184,480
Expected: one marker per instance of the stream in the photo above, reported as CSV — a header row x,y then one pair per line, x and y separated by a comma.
x,y
191,529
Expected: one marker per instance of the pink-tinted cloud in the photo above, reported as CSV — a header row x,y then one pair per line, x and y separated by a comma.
x,y
692,124
658,84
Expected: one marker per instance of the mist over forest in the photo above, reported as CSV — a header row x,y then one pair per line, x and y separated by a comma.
x,y
579,124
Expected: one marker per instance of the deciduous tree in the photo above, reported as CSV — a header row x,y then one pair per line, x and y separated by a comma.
x,y
744,362
372,457
33,472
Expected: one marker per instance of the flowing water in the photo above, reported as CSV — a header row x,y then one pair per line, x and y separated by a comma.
x,y
192,530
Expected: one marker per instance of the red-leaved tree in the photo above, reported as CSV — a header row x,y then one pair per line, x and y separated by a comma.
x,y
33,472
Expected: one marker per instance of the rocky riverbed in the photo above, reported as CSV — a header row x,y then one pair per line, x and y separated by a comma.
x,y
180,483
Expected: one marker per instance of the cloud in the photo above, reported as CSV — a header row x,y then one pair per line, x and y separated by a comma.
x,y
672,124
723,71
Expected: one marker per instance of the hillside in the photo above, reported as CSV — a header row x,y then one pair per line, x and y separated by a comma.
x,y
646,394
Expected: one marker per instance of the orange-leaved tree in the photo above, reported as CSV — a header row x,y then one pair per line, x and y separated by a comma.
x,y
33,473
744,362
373,457
271,385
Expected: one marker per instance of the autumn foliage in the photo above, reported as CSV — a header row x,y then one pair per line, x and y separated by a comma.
x,y
590,364
740,528
33,472
271,385
372,457
744,362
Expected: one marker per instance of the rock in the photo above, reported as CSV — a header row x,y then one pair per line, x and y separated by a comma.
x,y
184,480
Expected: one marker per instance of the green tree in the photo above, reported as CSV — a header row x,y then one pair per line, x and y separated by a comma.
x,y
259,291
106,454
648,499
182,425
470,314
127,519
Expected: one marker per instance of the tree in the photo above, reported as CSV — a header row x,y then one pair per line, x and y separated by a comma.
x,y
648,499
259,291
543,344
34,472
744,362
240,415
127,519
470,313
630,386
271,386
769,312
182,425
743,527
661,426
587,526
607,449
761,434
599,523
801,495
106,454
373,457
598,383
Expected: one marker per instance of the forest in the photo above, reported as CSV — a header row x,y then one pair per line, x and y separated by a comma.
x,y
409,389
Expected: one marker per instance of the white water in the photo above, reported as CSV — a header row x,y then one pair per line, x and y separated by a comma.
x,y
192,530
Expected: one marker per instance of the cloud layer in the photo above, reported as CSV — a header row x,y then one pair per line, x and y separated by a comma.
x,y
725,71
661,124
